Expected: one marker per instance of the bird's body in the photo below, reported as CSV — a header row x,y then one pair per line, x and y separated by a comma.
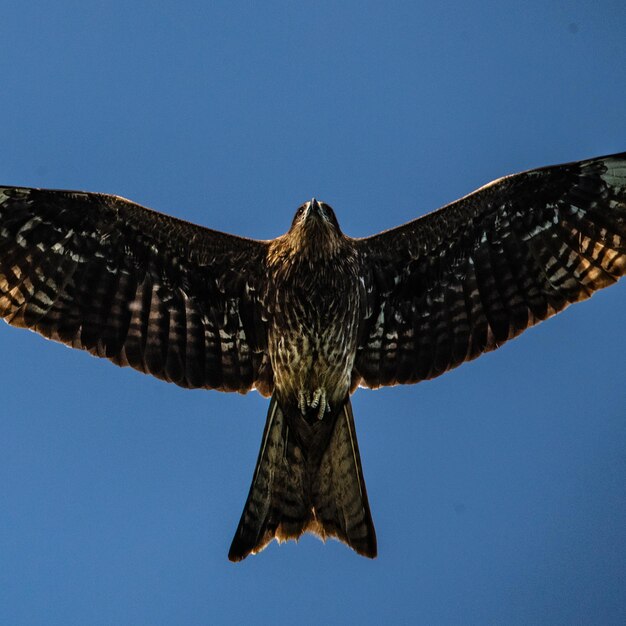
x,y
313,347
311,315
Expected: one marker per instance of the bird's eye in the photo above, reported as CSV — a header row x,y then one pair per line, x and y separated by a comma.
x,y
297,218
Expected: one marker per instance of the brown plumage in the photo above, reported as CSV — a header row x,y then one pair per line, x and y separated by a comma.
x,y
311,315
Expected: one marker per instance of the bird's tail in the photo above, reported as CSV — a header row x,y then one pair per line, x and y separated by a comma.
x,y
338,490
295,490
277,503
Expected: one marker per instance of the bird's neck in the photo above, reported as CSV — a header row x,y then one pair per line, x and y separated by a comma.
x,y
313,247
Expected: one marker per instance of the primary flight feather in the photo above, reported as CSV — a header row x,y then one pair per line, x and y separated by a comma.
x,y
309,316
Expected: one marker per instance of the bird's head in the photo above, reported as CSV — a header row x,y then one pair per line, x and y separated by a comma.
x,y
315,230
315,216
314,234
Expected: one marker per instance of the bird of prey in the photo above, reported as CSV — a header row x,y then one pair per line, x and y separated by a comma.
x,y
308,317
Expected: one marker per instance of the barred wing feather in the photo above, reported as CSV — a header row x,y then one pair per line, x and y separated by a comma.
x,y
103,274
463,280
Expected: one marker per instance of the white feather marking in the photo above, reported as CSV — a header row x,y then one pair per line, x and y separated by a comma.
x,y
615,175
540,228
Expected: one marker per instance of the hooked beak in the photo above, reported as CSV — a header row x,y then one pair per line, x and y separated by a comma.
x,y
315,209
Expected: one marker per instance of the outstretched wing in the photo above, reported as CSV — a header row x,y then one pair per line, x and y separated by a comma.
x,y
463,280
166,297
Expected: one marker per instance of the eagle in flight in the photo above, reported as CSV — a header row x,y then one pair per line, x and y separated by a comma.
x,y
308,317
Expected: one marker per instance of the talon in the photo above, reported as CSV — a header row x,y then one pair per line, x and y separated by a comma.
x,y
302,402
316,400
323,405
318,394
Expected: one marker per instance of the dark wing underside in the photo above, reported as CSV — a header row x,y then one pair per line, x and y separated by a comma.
x,y
103,274
463,280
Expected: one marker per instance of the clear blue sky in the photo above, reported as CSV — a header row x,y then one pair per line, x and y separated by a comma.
x,y
498,490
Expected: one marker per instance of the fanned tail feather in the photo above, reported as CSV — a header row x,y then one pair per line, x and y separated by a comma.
x,y
276,505
339,495
294,492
